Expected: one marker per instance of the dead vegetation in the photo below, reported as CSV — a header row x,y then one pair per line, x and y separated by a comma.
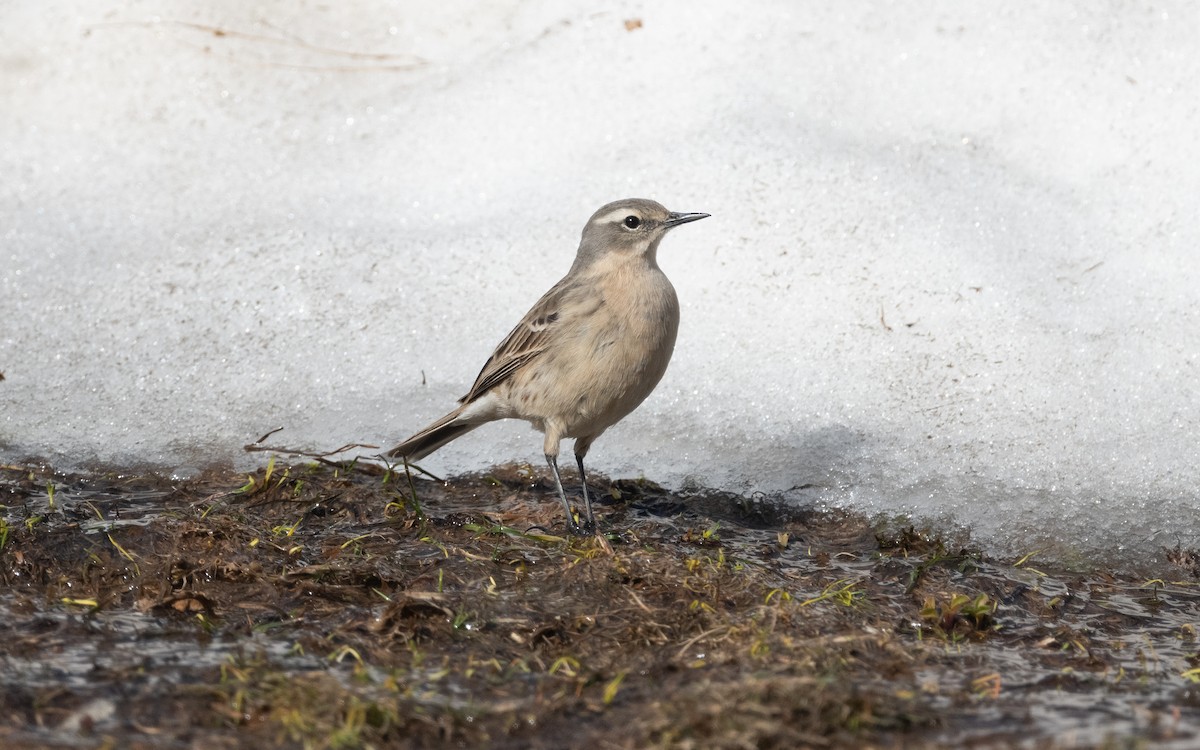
x,y
341,607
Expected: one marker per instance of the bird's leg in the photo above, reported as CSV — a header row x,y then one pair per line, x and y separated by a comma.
x,y
571,525
590,524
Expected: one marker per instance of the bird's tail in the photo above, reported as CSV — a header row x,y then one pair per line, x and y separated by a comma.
x,y
434,436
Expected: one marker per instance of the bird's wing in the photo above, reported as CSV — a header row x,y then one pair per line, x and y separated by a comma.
x,y
529,339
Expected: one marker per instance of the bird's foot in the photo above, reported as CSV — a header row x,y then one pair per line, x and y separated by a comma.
x,y
585,528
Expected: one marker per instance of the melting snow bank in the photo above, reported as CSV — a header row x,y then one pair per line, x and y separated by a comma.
x,y
951,269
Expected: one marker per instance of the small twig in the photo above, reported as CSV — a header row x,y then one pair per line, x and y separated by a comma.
x,y
256,448
391,467
371,469
289,40
945,404
638,601
269,434
693,641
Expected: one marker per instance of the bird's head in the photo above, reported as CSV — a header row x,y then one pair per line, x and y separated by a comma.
x,y
633,226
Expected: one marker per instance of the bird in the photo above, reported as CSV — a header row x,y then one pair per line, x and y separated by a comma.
x,y
587,353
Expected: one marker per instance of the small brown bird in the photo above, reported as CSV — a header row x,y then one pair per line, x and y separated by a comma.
x,y
590,350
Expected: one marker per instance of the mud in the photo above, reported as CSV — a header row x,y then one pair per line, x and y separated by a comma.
x,y
341,607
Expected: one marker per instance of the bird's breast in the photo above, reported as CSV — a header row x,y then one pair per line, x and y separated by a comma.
x,y
611,343
624,347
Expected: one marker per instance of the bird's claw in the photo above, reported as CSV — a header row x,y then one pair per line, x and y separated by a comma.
x,y
587,528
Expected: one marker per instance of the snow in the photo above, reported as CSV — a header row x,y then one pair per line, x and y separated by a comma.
x,y
952,268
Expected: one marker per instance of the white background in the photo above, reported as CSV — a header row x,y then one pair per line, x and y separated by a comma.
x,y
952,267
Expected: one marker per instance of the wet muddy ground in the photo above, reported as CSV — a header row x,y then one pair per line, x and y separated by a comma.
x,y
343,607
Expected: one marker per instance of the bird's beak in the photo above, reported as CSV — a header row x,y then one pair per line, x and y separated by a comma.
x,y
674,219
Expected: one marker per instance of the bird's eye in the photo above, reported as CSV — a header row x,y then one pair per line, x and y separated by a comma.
x,y
633,222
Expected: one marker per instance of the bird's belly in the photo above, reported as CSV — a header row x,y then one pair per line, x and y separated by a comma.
x,y
604,375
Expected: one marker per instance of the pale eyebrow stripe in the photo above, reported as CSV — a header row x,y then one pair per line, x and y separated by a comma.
x,y
618,215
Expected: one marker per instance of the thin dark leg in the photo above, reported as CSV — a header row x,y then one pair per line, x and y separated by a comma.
x,y
590,523
571,525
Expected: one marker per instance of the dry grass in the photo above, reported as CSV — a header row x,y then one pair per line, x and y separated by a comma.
x,y
321,607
